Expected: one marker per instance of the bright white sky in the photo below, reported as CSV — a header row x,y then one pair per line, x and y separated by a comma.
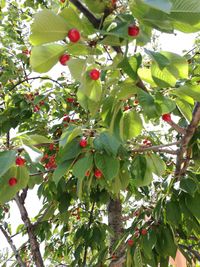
x,y
173,43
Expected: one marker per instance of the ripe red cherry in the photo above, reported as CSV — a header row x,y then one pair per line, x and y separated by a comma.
x,y
167,117
130,242
41,103
83,142
51,147
133,30
136,102
94,74
63,59
70,99
143,232
74,35
127,108
62,1
98,174
20,161
12,181
36,108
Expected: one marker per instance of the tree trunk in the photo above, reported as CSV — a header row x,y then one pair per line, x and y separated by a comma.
x,y
34,245
116,224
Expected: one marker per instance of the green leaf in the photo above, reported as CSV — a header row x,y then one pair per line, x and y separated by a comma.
x,y
192,204
163,5
148,242
90,88
34,139
130,66
61,170
70,151
43,58
107,142
81,50
130,125
7,192
71,133
189,90
173,214
138,257
48,27
82,166
185,108
34,154
107,164
76,67
148,104
156,164
168,75
167,105
7,159
141,174
160,59
145,75
126,90
124,176
188,185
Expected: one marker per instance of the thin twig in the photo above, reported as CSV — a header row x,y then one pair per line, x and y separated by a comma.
x,y
13,247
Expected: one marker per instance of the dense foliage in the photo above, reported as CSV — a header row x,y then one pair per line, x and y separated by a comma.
x,y
113,133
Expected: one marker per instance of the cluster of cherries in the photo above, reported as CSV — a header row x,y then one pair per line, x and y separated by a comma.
x,y
30,97
19,162
143,232
97,173
50,160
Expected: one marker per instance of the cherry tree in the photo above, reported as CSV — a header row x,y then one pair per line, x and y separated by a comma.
x,y
111,146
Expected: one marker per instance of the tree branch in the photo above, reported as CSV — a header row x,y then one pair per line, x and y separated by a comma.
x,y
190,130
34,245
95,22
158,148
13,247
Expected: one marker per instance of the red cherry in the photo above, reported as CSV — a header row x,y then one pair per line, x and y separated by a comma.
x,y
66,119
87,174
62,1
26,52
136,102
143,232
94,74
167,117
136,213
98,174
63,59
51,147
133,30
127,108
83,143
130,242
74,35
41,103
70,100
20,161
113,2
36,108
12,181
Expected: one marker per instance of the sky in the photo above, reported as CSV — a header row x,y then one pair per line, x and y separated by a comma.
x,y
169,42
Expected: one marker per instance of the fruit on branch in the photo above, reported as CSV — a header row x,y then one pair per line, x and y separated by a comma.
x,y
133,30
62,1
36,108
70,99
98,174
166,117
41,103
143,231
83,142
130,242
12,181
74,35
20,161
94,74
127,108
64,58
51,147
136,102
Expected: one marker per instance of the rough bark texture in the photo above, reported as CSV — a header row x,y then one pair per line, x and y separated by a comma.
x,y
34,245
115,222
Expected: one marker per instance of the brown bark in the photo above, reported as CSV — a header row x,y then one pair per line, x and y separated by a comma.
x,y
34,245
116,224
